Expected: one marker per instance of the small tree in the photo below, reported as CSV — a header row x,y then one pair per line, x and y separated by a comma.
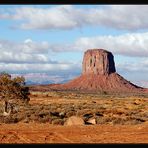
x,y
12,91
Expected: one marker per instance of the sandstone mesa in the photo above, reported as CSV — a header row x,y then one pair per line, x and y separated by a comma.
x,y
99,75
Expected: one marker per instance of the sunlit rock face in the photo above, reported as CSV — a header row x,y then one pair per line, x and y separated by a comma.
x,y
98,62
99,75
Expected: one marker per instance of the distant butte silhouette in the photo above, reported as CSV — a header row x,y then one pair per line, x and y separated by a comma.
x,y
99,75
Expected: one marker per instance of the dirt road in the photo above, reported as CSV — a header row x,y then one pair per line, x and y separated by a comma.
x,y
46,133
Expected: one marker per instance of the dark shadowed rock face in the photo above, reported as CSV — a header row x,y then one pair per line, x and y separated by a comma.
x,y
98,61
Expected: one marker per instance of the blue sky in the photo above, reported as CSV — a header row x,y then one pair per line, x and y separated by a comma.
x,y
47,42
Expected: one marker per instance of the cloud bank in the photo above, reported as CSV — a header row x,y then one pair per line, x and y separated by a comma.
x,y
24,52
65,17
30,56
131,44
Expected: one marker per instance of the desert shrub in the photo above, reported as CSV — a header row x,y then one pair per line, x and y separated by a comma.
x,y
43,120
19,116
68,108
84,112
33,117
47,107
133,122
28,113
104,93
62,115
103,120
43,113
49,121
70,113
35,95
58,122
118,121
26,120
85,105
13,91
145,114
59,109
1,108
10,119
101,107
56,114
53,108
100,114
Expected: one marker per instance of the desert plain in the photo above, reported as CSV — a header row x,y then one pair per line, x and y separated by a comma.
x,y
116,119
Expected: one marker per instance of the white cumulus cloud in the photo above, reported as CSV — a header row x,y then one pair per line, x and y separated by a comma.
x,y
130,44
23,52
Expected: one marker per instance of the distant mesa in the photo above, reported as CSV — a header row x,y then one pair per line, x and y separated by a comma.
x,y
99,75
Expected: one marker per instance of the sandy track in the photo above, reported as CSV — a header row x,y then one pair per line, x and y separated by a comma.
x,y
46,133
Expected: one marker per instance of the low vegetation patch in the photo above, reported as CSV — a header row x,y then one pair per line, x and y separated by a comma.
x,y
110,110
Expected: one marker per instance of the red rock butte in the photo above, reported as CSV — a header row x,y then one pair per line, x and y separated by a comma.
x,y
98,62
99,75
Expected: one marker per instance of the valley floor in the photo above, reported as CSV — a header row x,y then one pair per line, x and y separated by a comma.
x,y
120,119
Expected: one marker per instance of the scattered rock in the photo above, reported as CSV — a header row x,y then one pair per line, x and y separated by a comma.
x,y
74,120
91,121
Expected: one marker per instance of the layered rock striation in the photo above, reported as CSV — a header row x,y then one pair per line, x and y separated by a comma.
x,y
98,62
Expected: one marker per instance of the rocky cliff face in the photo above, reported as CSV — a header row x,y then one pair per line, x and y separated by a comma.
x,y
98,62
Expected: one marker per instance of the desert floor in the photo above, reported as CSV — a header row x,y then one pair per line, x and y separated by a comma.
x,y
34,132
45,133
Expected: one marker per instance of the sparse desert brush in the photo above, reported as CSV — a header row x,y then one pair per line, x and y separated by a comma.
x,y
144,114
132,122
103,120
118,120
58,122
110,120
70,113
20,116
45,119
83,112
43,113
101,107
10,119
32,117
105,111
1,108
114,111
35,95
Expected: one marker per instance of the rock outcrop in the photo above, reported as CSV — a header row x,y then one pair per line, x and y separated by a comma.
x,y
99,75
98,62
74,120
